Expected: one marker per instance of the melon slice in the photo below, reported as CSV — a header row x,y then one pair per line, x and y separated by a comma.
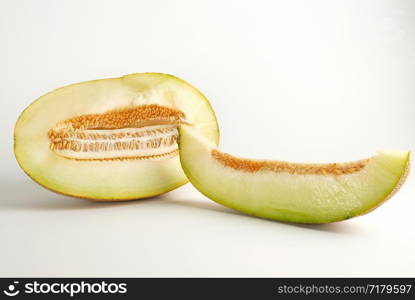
x,y
292,192
111,139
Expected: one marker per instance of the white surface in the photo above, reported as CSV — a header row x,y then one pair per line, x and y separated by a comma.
x,y
295,80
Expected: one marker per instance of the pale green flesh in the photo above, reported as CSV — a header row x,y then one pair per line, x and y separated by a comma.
x,y
309,198
108,180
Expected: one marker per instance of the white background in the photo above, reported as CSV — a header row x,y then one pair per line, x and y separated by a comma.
x,y
289,80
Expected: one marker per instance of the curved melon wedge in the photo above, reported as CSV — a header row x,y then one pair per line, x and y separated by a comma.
x,y
292,192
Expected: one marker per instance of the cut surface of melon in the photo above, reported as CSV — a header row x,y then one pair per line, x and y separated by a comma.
x,y
111,139
292,192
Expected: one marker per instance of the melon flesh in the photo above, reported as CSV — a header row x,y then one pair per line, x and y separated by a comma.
x,y
292,192
111,139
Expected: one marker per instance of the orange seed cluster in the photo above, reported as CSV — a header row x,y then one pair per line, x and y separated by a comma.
x,y
85,133
252,166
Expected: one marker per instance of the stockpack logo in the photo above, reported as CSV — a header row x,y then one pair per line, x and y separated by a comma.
x,y
64,288
12,289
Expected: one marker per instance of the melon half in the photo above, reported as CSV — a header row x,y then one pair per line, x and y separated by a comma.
x,y
111,139
292,192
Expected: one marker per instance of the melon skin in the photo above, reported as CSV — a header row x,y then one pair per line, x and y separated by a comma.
x,y
298,198
108,180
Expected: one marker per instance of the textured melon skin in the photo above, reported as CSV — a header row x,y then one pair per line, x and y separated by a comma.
x,y
268,195
109,181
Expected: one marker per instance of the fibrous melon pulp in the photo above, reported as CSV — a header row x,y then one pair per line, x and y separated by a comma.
x,y
111,139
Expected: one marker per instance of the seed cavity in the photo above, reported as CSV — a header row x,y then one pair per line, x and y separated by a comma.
x,y
252,166
143,132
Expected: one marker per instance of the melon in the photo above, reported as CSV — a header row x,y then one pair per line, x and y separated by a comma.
x,y
111,139
291,192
